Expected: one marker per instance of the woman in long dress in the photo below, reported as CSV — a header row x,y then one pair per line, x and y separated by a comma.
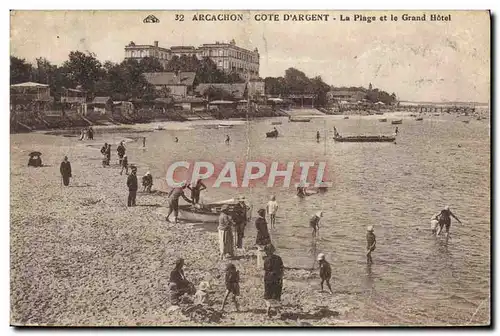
x,y
226,238
273,278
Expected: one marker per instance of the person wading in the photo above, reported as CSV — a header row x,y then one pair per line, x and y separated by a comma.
x,y
371,243
173,201
65,170
132,187
325,271
314,223
444,218
272,209
273,278
225,228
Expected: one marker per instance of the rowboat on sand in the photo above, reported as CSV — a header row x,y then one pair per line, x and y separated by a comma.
x,y
299,119
272,134
397,122
208,213
383,120
276,123
419,119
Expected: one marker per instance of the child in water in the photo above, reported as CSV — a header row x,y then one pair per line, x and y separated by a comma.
x,y
325,271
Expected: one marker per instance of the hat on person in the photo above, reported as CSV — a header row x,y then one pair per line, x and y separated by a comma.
x,y
204,285
269,248
134,168
321,256
148,173
446,208
261,212
369,228
273,198
125,155
319,213
224,208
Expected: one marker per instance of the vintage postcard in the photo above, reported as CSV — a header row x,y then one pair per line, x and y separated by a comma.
x,y
250,168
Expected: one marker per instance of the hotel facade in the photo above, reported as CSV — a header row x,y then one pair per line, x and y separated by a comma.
x,y
227,56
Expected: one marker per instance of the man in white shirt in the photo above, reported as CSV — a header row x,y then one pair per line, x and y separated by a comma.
x,y
272,208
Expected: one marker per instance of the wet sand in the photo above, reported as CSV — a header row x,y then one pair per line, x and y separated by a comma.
x,y
81,257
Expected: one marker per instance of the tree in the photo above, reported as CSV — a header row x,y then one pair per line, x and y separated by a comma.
x,y
214,93
83,69
151,64
20,70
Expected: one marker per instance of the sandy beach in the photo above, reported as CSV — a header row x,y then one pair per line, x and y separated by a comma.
x,y
81,257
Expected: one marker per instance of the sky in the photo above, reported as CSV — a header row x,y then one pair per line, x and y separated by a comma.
x,y
419,61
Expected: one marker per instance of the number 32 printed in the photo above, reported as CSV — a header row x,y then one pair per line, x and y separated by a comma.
x,y
179,17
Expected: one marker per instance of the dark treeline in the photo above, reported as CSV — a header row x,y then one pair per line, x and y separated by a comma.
x,y
296,82
121,81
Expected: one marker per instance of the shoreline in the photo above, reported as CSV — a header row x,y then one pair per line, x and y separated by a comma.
x,y
97,262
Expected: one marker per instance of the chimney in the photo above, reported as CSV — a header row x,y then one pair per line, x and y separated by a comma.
x,y
156,43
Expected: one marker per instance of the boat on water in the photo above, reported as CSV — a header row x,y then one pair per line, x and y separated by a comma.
x,y
224,126
379,113
419,119
276,123
346,117
437,114
383,120
365,138
208,213
159,128
397,122
272,134
465,121
299,119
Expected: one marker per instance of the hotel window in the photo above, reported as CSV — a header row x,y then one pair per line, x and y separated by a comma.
x,y
225,52
220,64
226,64
221,52
133,53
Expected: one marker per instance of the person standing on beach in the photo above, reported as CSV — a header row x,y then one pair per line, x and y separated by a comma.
x,y
121,152
272,209
325,271
317,136
91,133
314,223
232,280
226,240
176,139
173,201
371,243
124,164
132,187
263,237
108,155
273,278
65,170
196,190
228,139
240,219
396,131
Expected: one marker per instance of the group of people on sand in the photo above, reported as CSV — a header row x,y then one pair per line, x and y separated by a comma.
x,y
87,133
181,289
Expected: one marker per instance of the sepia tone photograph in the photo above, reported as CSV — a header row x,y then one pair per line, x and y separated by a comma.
x,y
250,168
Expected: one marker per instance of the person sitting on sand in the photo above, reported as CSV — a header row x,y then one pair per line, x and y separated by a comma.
x,y
179,285
173,201
325,271
232,280
226,237
201,296
314,223
147,182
